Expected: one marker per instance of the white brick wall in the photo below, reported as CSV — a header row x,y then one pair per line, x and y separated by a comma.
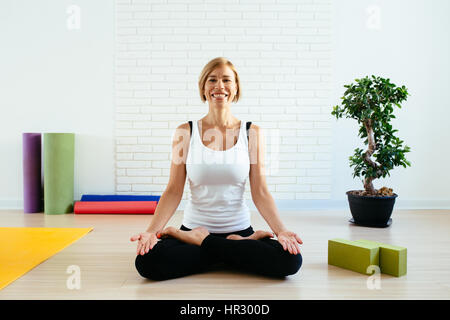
x,y
282,51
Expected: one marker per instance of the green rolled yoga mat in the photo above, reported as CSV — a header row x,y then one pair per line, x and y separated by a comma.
x,y
59,156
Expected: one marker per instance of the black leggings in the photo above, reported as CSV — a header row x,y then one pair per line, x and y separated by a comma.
x,y
171,258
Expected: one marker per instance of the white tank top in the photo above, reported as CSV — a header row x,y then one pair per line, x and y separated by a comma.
x,y
217,184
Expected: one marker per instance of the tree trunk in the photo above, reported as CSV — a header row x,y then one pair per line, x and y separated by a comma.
x,y
368,185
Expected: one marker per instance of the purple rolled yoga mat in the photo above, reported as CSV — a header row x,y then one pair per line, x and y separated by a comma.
x,y
32,193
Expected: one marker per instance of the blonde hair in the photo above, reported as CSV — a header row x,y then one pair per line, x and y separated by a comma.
x,y
210,66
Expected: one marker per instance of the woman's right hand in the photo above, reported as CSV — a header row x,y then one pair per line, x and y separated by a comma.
x,y
146,242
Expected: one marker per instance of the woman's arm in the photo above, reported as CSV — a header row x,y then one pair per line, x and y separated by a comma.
x,y
260,192
261,196
170,199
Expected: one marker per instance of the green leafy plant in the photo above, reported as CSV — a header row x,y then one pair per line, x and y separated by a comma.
x,y
371,102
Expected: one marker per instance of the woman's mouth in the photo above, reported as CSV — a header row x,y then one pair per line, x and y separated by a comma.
x,y
219,95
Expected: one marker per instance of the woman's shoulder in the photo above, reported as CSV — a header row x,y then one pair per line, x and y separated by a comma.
x,y
182,132
184,125
255,129
184,128
254,126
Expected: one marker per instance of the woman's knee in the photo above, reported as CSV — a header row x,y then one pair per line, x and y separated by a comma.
x,y
147,267
287,263
292,264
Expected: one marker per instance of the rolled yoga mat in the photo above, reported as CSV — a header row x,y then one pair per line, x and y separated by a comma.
x,y
32,187
118,197
59,157
119,207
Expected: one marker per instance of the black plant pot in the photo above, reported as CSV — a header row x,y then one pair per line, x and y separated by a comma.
x,y
371,211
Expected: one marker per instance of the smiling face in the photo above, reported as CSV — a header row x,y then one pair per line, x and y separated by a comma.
x,y
220,86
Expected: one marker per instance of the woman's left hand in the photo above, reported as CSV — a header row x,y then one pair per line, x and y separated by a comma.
x,y
290,240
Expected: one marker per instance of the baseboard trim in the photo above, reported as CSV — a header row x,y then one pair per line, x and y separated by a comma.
x,y
298,205
7,204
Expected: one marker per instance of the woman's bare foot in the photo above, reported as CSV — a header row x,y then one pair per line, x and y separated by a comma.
x,y
195,236
258,234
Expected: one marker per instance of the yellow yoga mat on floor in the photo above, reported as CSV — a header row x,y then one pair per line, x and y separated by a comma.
x,y
21,249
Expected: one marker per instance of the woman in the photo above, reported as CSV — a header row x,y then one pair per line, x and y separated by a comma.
x,y
216,226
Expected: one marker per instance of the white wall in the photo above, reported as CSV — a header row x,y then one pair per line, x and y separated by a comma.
x,y
282,53
53,79
412,48
56,80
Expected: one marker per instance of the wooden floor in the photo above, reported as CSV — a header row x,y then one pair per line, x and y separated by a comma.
x,y
105,257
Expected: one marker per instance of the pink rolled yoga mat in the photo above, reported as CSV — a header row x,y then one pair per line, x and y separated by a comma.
x,y
32,194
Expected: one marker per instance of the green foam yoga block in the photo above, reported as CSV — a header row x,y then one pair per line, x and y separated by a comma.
x,y
392,258
352,255
59,157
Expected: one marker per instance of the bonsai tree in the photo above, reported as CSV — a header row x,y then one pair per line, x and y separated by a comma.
x,y
371,102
